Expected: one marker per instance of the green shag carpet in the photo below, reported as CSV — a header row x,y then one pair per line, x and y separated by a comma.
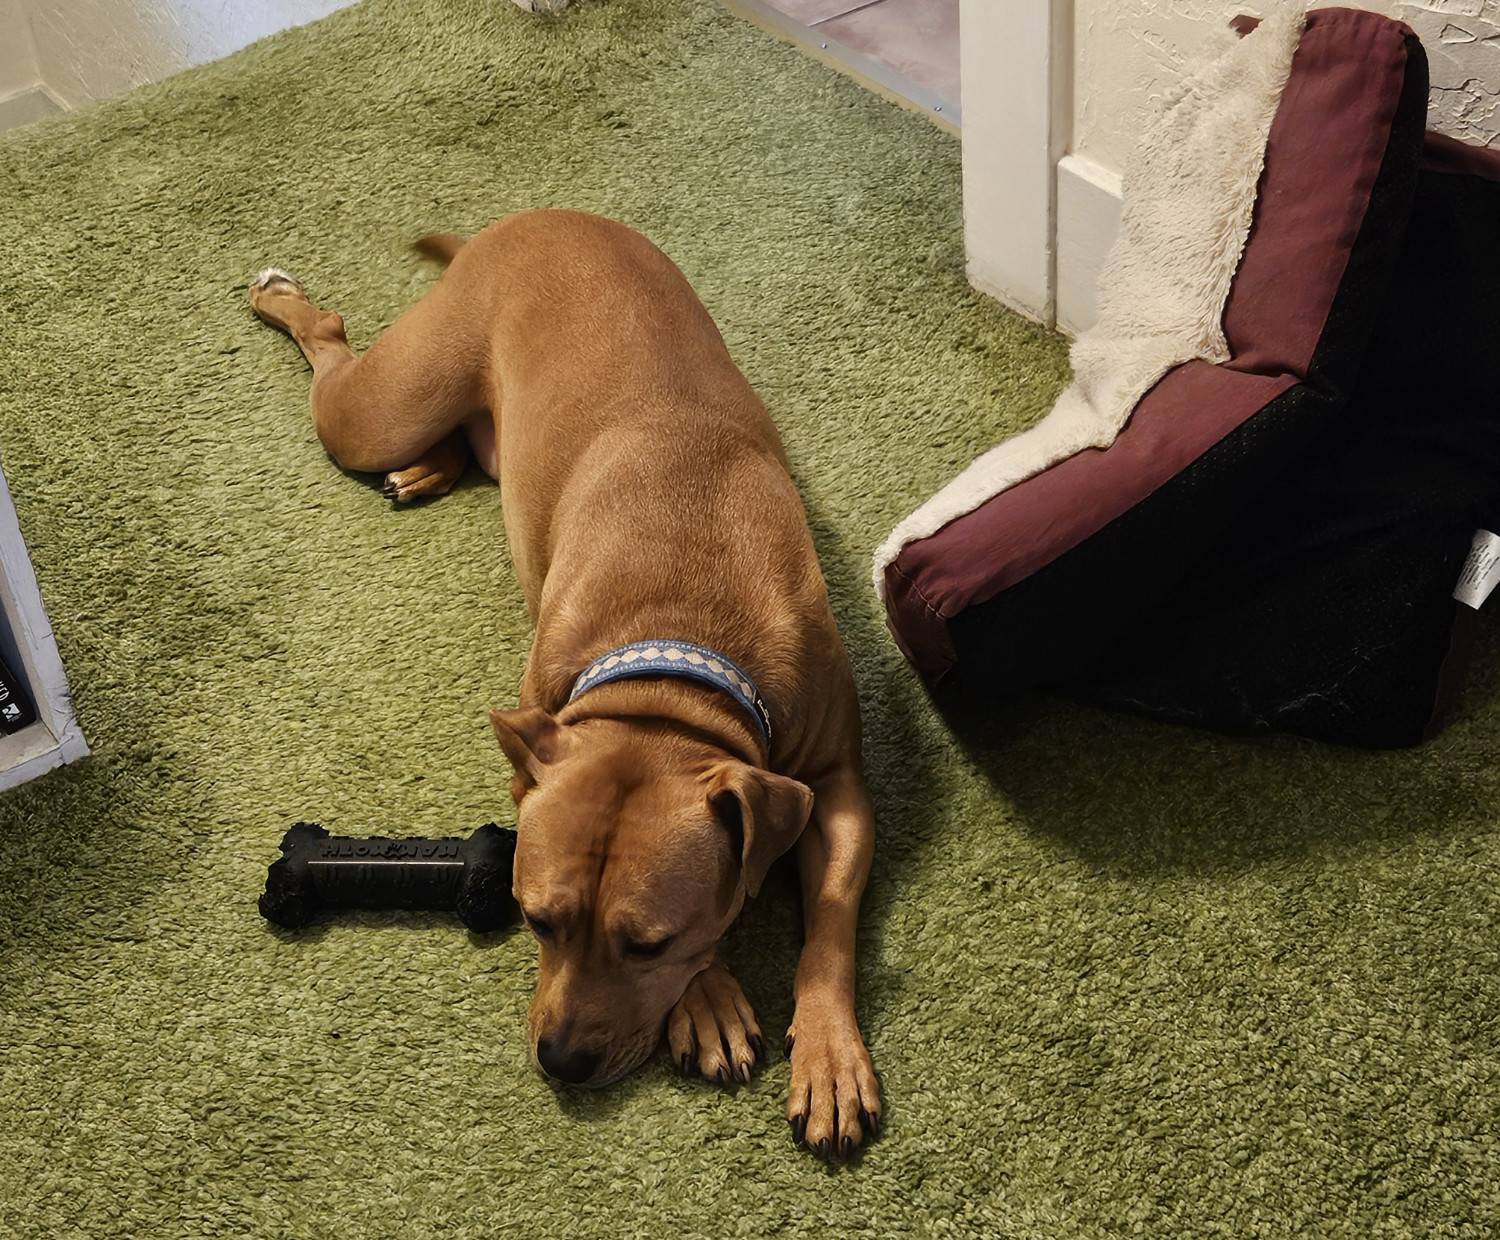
x,y
1118,979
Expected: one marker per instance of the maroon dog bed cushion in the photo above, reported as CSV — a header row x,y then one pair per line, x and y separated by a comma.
x,y
1271,542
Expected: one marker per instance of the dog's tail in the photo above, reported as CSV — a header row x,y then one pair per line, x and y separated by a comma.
x,y
441,246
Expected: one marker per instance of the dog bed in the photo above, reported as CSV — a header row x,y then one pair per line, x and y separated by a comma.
x,y
1271,541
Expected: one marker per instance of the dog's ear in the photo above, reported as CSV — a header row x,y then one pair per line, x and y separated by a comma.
x,y
531,739
764,812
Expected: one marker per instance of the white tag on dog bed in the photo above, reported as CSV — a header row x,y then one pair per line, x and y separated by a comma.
x,y
1481,570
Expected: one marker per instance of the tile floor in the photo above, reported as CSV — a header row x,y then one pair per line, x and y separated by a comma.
x,y
916,39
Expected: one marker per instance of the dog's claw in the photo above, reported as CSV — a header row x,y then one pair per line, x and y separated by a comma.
x,y
799,1128
723,1075
744,1072
846,1147
825,1148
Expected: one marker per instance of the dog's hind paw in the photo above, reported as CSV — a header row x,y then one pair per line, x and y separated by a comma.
x,y
273,294
433,473
273,275
713,1028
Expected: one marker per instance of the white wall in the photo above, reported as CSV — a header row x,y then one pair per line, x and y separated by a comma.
x,y
19,70
1462,38
1126,50
77,50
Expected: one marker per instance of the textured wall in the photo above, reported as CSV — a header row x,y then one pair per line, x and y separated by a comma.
x,y
88,49
1127,50
18,65
1462,38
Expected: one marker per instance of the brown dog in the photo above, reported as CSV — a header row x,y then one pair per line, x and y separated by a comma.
x,y
647,504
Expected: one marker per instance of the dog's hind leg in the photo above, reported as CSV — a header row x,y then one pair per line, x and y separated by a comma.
x,y
399,408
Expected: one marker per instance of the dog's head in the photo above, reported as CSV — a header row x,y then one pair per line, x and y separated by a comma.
x,y
636,848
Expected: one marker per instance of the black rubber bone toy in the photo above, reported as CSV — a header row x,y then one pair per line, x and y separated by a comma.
x,y
319,873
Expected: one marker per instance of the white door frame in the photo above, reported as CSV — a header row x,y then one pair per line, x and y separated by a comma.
x,y
1038,219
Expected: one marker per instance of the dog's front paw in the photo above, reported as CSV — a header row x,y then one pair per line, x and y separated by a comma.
x,y
713,1028
835,1098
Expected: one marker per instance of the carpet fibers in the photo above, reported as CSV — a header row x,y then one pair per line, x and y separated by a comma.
x,y
1117,979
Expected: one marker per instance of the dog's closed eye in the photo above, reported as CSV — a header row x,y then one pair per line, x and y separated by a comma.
x,y
648,951
542,929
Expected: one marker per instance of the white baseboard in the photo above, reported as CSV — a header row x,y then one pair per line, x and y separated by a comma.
x,y
30,104
1088,217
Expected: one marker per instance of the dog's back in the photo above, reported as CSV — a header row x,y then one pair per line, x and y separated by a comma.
x,y
646,489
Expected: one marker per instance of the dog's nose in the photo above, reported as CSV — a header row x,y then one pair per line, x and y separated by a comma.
x,y
573,1066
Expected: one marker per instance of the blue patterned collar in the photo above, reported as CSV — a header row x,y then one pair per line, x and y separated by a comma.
x,y
673,658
